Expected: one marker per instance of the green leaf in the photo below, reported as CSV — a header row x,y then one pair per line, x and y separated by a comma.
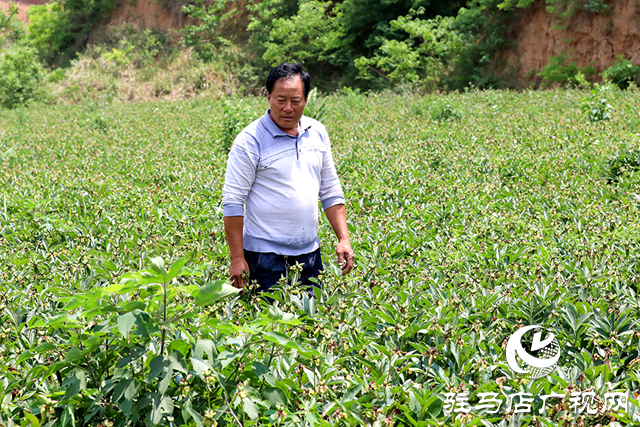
x,y
161,405
67,418
351,393
274,396
158,365
166,381
200,366
75,354
176,268
25,355
125,322
196,417
283,340
435,407
32,419
250,408
74,383
204,347
158,268
214,291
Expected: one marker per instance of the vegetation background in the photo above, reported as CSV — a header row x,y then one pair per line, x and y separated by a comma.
x,y
474,210
70,50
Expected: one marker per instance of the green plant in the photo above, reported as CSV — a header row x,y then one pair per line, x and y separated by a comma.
x,y
622,72
205,37
10,28
622,163
315,108
236,115
596,107
60,28
21,77
444,113
463,232
558,71
48,29
422,59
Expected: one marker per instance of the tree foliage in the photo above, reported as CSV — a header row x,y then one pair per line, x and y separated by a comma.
x,y
21,76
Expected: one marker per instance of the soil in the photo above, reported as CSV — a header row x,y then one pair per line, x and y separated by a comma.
x,y
145,14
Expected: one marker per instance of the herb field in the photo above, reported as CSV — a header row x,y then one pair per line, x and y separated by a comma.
x,y
471,215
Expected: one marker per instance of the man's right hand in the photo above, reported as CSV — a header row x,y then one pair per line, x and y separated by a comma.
x,y
233,230
236,268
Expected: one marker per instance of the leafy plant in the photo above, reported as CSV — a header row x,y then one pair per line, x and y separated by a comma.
x,y
10,28
464,231
624,162
596,107
205,37
315,108
622,72
236,115
21,77
421,59
558,71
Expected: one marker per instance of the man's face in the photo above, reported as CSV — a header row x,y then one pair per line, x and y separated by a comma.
x,y
287,102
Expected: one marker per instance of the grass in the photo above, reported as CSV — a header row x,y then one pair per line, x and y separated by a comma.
x,y
471,215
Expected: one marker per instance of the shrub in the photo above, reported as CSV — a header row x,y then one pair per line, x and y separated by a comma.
x,y
624,162
236,115
21,76
205,38
558,71
47,30
622,72
595,106
316,108
10,28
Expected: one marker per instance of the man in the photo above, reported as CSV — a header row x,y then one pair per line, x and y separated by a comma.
x,y
278,167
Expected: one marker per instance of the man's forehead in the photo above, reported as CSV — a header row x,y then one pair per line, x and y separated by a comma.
x,y
289,81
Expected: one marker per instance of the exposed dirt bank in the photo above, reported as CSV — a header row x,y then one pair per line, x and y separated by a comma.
x,y
589,38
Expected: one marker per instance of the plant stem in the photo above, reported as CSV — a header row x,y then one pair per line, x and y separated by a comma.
x,y
164,316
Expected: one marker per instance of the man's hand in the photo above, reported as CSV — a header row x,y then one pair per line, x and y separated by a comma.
x,y
239,270
238,265
337,217
345,256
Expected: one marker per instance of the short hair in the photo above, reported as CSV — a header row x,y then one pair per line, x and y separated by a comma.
x,y
286,70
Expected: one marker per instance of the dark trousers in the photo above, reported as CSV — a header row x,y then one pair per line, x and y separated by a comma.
x,y
268,268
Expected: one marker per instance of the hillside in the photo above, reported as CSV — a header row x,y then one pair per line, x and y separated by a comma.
x,y
23,6
346,43
590,38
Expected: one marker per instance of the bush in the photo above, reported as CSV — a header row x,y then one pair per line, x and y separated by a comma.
x,y
622,72
624,162
595,106
47,30
58,29
21,77
558,71
10,28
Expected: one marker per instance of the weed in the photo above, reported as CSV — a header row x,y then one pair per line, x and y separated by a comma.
x,y
596,107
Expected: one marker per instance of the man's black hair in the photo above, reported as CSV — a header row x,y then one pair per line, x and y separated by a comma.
x,y
286,70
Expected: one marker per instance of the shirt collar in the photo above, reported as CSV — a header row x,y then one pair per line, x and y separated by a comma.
x,y
274,130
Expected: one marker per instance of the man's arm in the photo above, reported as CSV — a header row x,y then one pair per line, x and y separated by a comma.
x,y
233,230
337,216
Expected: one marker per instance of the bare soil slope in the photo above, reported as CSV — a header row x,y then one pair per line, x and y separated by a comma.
x,y
589,38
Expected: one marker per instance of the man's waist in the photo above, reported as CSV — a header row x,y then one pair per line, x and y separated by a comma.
x,y
293,247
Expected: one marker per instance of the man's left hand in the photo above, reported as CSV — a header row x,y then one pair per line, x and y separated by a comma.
x,y
345,256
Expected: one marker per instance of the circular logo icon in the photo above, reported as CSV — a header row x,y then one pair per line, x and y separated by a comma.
x,y
544,359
